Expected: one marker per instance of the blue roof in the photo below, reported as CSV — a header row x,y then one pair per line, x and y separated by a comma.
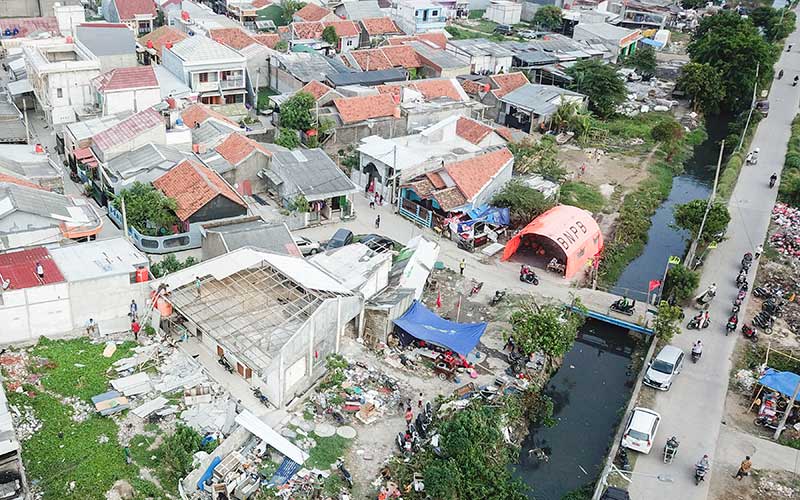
x,y
783,382
423,324
651,42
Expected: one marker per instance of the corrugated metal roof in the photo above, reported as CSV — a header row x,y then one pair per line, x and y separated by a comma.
x,y
106,39
145,164
20,268
272,237
200,48
98,258
316,178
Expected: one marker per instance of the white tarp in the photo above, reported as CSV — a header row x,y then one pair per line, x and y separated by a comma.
x,y
142,411
263,431
132,385
420,264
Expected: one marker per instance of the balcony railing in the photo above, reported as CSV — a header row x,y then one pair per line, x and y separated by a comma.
x,y
235,83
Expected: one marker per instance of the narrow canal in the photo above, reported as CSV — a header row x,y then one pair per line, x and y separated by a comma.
x,y
594,384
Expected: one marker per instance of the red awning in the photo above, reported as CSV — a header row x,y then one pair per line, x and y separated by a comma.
x,y
86,156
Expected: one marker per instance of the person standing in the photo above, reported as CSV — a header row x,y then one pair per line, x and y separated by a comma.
x,y
40,271
134,309
744,468
461,266
135,327
409,415
378,222
419,401
197,284
759,250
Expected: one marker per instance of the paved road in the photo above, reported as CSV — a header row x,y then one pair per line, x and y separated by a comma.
x,y
693,409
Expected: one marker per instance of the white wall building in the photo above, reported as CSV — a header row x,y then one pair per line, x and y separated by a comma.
x,y
60,74
127,90
504,12
418,16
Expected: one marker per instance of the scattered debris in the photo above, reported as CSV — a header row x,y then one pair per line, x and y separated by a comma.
x,y
110,402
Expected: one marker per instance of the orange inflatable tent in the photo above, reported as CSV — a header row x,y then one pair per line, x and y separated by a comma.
x,y
571,231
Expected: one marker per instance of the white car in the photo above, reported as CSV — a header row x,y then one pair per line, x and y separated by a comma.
x,y
664,367
306,246
640,431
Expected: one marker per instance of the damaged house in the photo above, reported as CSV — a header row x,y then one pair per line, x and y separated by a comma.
x,y
274,318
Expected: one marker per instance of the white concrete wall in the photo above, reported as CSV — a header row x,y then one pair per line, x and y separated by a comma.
x,y
105,299
22,229
377,281
107,63
76,92
504,12
130,101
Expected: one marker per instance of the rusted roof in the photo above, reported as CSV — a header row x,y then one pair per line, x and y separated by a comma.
x,y
471,130
20,182
235,38
268,39
160,36
472,174
19,268
136,77
450,198
128,129
356,109
316,89
371,59
380,26
199,113
472,87
236,147
312,12
507,83
430,89
437,39
193,186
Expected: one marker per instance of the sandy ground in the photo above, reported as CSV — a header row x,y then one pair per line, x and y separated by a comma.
x,y
612,169
760,485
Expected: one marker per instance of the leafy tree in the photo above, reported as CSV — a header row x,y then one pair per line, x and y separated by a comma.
x,y
176,453
643,60
329,35
667,322
290,7
681,283
693,4
549,329
287,138
601,83
733,46
148,209
776,25
476,463
296,111
790,187
539,157
689,216
670,133
282,46
548,17
300,204
524,202
703,85
170,264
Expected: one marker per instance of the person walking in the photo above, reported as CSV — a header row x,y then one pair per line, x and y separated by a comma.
x,y
744,468
759,250
461,266
378,222
197,284
409,415
371,202
419,401
135,327
134,309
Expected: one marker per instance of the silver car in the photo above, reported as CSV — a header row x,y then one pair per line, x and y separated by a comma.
x,y
306,246
664,367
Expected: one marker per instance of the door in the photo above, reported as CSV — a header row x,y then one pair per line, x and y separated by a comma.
x,y
220,351
248,373
239,369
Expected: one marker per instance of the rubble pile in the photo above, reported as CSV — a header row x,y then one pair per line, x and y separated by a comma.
x,y
365,393
643,97
786,240
20,368
25,422
769,487
745,380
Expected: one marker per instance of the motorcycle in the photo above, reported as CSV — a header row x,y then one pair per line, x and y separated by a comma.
x,y
750,333
764,321
735,308
622,457
260,396
499,295
476,287
773,307
706,297
700,471
772,181
624,306
741,279
780,73
528,275
696,356
698,322
761,292
224,362
733,322
345,473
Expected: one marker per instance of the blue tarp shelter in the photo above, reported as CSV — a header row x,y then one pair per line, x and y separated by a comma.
x,y
490,214
423,324
783,382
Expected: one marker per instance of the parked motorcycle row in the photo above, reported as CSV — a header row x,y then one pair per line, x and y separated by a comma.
x,y
417,431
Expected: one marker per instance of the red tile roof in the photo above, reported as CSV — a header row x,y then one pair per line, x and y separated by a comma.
x,y
473,174
380,26
371,59
192,186
20,182
435,38
472,87
430,89
260,4
312,12
471,130
508,82
103,25
403,56
128,9
356,109
313,30
199,113
268,39
20,268
128,129
235,38
28,25
136,77
160,37
237,147
316,89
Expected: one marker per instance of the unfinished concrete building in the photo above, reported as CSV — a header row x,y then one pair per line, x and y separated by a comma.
x,y
273,317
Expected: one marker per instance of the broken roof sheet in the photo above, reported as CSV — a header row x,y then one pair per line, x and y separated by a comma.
x,y
257,427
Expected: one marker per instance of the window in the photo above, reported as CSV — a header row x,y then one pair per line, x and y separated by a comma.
x,y
349,43
59,92
203,77
434,13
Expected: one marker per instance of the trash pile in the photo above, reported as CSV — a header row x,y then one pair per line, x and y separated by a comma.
x,y
769,487
786,240
643,97
745,380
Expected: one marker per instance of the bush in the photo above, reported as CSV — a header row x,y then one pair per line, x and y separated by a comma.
x,y
170,264
681,283
582,195
287,138
789,191
524,202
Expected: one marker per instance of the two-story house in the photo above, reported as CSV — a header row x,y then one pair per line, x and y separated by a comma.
x,y
139,15
418,16
214,71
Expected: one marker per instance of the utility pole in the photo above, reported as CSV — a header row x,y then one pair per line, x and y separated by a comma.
x,y
693,248
786,414
750,114
25,114
124,219
395,197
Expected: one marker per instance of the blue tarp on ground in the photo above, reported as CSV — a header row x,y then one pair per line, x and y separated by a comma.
x,y
286,470
423,324
490,214
783,382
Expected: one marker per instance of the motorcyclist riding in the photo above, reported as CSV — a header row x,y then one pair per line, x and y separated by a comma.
x,y
780,74
794,82
703,465
697,347
772,179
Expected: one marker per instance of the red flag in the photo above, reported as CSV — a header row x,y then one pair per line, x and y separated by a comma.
x,y
653,285
438,299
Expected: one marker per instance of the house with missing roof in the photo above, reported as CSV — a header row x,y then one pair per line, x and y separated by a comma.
x,y
274,318
138,15
308,33
127,90
385,163
454,188
531,106
33,164
483,56
112,44
96,279
214,71
309,173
